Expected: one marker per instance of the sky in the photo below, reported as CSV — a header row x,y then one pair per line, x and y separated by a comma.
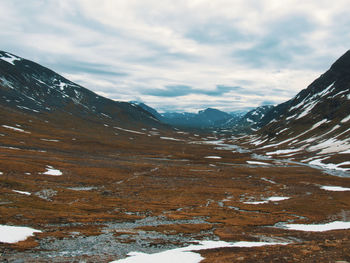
x,y
181,55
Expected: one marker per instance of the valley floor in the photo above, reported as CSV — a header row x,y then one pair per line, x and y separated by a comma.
x,y
97,192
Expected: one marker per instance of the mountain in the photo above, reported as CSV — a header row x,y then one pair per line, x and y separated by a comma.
x,y
32,88
316,120
147,108
87,179
204,119
249,121
235,122
254,117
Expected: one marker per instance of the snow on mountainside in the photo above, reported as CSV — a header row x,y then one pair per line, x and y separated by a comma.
x,y
315,121
251,121
32,88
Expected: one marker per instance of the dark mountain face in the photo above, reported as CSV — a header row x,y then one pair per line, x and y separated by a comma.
x,y
318,118
213,115
32,88
148,109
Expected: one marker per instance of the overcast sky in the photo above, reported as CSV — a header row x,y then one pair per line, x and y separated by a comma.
x,y
181,55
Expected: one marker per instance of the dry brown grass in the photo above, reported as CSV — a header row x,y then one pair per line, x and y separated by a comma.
x,y
147,176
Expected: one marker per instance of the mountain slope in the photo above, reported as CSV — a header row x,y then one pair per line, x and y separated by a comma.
x,y
32,88
317,120
250,121
147,108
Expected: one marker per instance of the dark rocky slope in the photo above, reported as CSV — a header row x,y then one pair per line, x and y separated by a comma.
x,y
315,121
34,89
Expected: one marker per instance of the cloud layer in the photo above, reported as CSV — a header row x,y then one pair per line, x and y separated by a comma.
x,y
185,54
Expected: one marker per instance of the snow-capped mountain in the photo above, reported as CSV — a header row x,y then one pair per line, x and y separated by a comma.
x,y
238,121
250,121
255,116
204,119
32,88
317,120
208,118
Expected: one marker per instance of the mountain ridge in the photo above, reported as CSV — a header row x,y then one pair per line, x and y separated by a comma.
x,y
28,86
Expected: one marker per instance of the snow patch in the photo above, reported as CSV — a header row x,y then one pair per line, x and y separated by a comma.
x,y
26,108
326,90
291,117
170,139
121,129
9,147
307,110
283,151
335,188
49,140
10,58
281,131
318,124
336,225
330,146
346,119
51,171
257,163
186,254
14,128
329,165
21,192
213,157
268,180
270,199
14,234
107,116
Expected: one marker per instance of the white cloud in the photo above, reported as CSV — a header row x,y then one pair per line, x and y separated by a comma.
x,y
277,47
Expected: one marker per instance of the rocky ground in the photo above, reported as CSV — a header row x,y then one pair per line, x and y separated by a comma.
x,y
148,189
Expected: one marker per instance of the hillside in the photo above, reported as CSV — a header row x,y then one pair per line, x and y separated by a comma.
x,y
34,89
248,122
315,123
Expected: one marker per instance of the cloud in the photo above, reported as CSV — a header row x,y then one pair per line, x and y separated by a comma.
x,y
183,90
170,91
223,54
267,102
276,48
90,68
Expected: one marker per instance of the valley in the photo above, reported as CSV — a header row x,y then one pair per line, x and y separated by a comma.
x,y
122,191
96,180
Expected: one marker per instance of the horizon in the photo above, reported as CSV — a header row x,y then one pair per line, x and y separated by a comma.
x,y
185,57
